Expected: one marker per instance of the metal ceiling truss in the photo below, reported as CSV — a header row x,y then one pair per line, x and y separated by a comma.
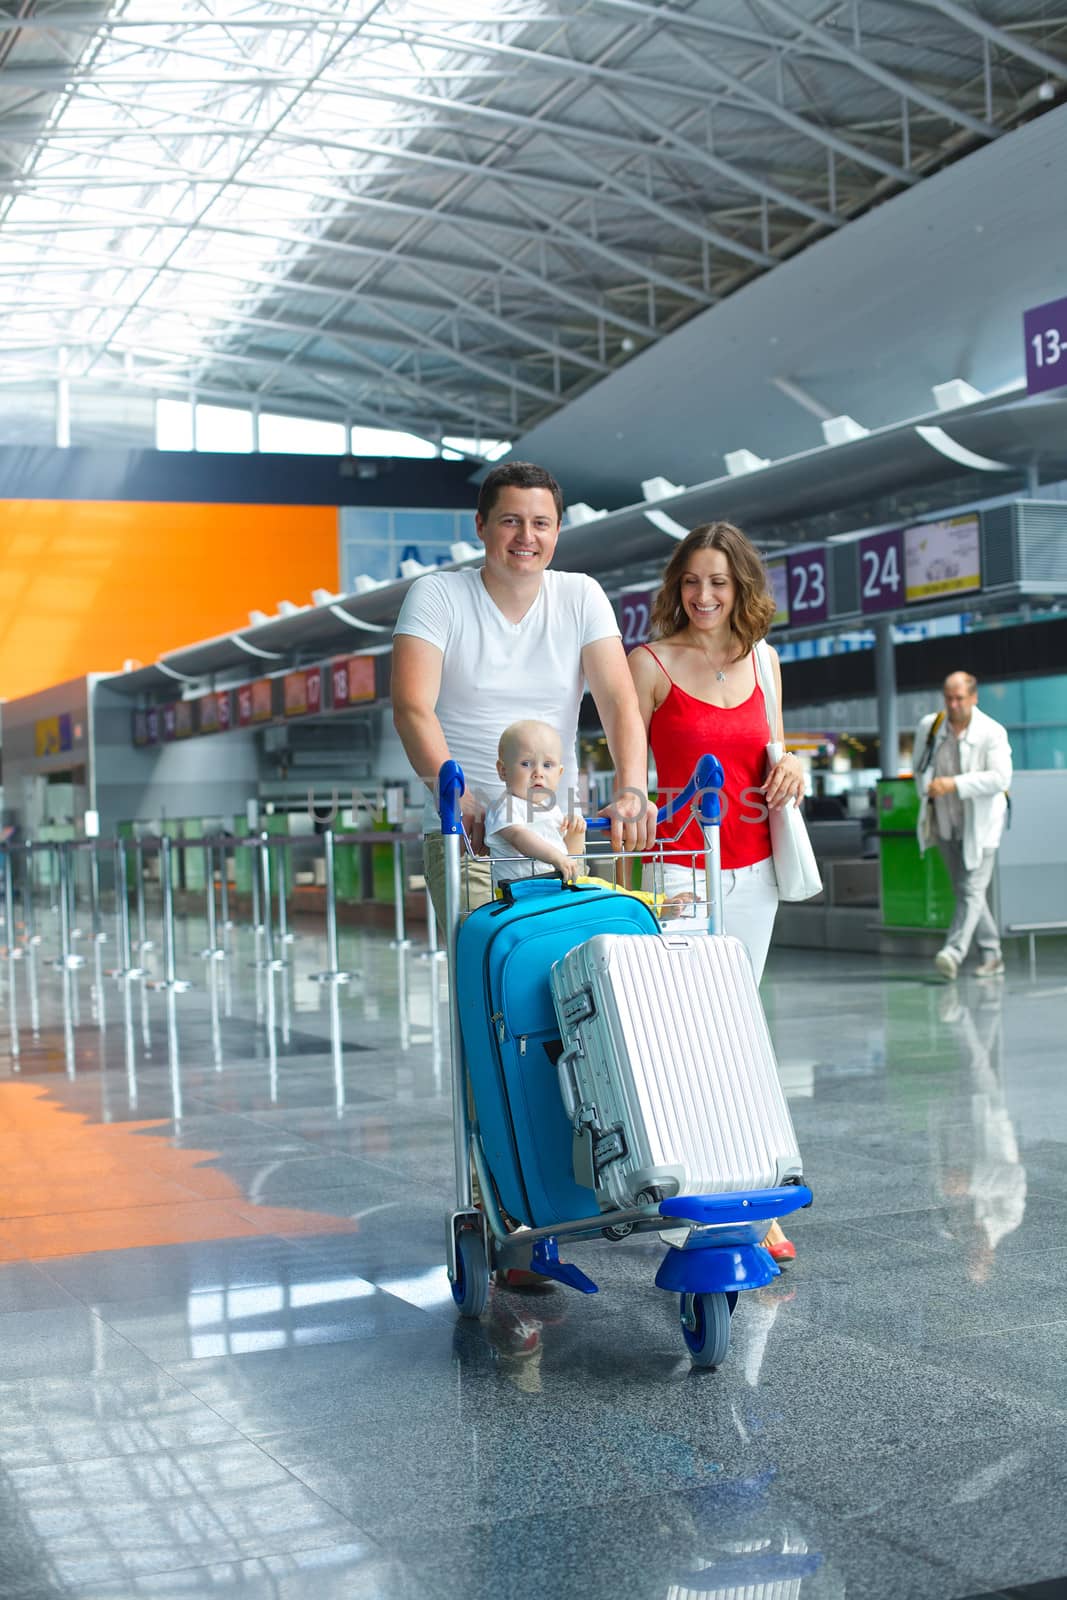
x,y
447,216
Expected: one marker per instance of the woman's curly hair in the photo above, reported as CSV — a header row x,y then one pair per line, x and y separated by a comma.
x,y
754,606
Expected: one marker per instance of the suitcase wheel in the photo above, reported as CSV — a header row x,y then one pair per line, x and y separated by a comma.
x,y
706,1327
470,1290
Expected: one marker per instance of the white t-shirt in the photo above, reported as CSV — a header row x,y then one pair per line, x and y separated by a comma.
x,y
511,811
497,672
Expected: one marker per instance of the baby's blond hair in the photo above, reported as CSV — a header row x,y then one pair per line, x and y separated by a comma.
x,y
512,735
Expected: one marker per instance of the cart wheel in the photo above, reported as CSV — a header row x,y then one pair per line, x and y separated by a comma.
x,y
706,1327
471,1288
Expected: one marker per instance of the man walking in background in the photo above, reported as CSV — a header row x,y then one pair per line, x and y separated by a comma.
x,y
963,772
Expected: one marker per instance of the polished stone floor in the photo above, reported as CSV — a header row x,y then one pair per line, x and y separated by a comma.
x,y
230,1364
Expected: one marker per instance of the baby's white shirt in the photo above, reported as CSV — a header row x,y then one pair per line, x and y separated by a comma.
x,y
513,811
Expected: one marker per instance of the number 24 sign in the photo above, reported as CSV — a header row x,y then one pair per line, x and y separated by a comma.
x,y
882,571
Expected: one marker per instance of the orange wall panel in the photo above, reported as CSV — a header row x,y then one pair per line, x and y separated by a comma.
x,y
86,585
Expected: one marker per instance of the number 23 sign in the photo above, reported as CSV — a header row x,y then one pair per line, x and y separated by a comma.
x,y
809,589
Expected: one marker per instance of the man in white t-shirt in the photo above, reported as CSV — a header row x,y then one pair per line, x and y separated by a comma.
x,y
476,650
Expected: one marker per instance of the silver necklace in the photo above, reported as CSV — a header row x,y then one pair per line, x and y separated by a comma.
x,y
720,676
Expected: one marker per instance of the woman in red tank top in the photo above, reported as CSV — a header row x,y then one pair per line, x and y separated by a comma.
x,y
699,691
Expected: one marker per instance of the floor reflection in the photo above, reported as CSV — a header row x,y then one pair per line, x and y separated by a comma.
x,y
229,1333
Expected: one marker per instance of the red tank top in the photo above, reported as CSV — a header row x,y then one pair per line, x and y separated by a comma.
x,y
683,729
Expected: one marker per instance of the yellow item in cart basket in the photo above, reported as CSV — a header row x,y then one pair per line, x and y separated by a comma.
x,y
664,906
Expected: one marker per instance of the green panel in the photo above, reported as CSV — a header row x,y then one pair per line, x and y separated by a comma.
x,y
916,892
195,876
278,828
382,866
347,872
243,858
898,805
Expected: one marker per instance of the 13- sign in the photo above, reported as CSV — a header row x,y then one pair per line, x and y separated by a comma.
x,y
1045,339
882,571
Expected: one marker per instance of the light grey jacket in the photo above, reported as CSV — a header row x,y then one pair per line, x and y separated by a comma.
x,y
985,777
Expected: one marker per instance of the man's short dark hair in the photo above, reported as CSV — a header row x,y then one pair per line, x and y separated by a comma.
x,y
517,475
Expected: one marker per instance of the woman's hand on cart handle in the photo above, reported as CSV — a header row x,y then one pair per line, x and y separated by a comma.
x,y
785,782
632,819
703,786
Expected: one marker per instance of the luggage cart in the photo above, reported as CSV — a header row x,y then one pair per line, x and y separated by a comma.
x,y
714,1241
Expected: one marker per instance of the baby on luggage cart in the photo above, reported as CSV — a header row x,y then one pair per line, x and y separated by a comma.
x,y
527,825
527,832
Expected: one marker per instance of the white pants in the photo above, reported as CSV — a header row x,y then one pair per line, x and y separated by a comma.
x,y
749,903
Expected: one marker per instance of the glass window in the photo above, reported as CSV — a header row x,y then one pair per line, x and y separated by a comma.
x,y
174,425
223,428
1003,701
389,442
1044,698
488,449
1041,748
301,436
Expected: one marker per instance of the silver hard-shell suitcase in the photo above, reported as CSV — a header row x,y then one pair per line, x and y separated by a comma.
x,y
668,1071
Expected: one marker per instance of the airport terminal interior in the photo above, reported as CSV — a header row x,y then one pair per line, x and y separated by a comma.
x,y
281,286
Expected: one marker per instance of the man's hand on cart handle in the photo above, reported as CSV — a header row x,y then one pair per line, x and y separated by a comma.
x,y
473,813
633,821
785,782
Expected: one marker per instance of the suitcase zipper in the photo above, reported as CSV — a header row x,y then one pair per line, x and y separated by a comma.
x,y
498,1018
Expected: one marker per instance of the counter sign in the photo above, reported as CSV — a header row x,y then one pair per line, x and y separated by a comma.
x,y
882,571
1045,338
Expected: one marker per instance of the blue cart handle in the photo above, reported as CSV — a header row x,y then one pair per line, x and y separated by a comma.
x,y
704,786
450,790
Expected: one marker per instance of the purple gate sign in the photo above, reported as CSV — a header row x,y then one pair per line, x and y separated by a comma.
x,y
1045,339
809,587
881,559
635,610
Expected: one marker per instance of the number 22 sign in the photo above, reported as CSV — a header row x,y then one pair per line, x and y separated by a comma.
x,y
809,590
634,613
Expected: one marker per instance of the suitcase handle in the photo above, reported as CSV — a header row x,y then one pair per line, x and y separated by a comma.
x,y
513,889
567,1086
704,787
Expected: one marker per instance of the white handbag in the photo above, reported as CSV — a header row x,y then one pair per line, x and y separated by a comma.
x,y
794,859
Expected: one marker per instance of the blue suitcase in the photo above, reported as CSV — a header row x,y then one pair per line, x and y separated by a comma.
x,y
504,957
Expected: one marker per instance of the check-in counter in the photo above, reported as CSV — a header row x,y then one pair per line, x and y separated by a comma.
x,y
901,902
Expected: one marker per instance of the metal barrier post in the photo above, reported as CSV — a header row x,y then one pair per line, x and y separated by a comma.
x,y
143,941
122,909
67,960
53,880
72,891
270,961
401,940
333,974
12,950
257,896
98,934
214,951
224,891
29,919
283,917
433,949
169,981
